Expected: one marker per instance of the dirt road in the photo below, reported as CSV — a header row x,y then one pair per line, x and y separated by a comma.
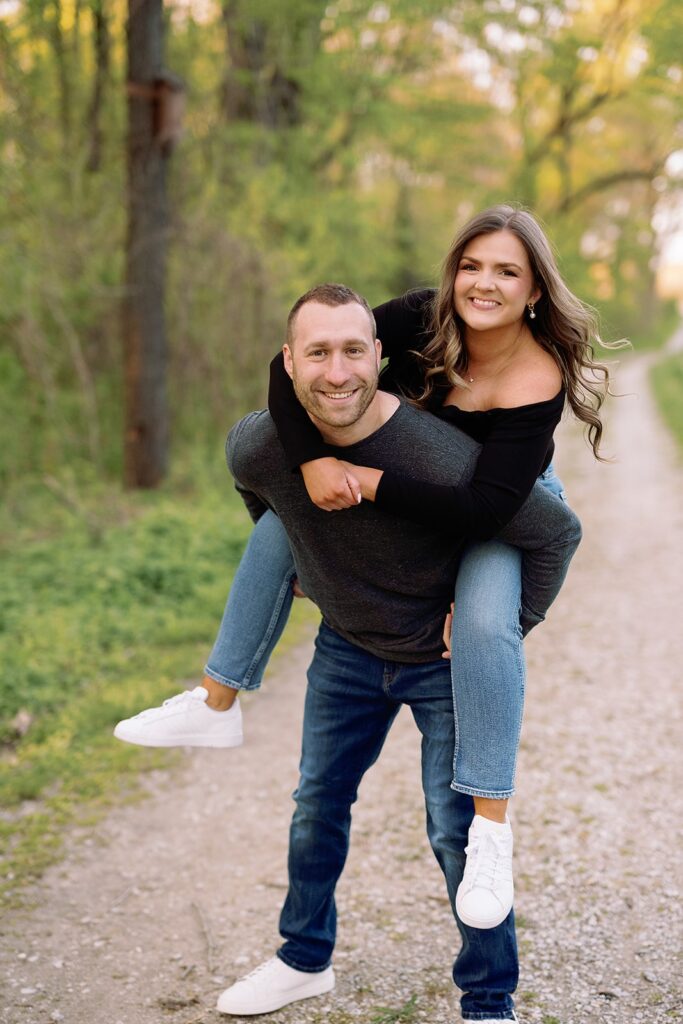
x,y
173,898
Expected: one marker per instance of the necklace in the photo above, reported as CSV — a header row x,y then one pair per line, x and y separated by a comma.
x,y
490,376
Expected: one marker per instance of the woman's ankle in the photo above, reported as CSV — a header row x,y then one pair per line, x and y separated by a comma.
x,y
221,697
494,810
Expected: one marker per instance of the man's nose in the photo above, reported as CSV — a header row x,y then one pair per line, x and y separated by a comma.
x,y
336,371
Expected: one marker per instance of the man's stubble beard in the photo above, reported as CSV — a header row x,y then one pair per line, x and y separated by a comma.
x,y
348,415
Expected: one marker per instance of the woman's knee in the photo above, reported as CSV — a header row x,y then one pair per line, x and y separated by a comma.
x,y
273,543
488,594
481,625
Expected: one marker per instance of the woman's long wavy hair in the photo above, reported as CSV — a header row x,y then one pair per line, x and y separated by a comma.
x,y
564,326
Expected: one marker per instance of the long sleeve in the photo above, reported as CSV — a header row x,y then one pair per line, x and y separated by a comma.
x,y
299,438
548,532
237,457
515,450
402,325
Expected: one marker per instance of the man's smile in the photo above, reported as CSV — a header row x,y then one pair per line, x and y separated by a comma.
x,y
337,396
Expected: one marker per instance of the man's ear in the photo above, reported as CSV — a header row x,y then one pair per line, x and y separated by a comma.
x,y
378,352
289,365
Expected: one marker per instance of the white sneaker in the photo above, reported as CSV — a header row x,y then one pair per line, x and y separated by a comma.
x,y
272,985
485,894
185,720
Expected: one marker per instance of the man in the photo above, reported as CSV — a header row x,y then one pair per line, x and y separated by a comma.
x,y
383,585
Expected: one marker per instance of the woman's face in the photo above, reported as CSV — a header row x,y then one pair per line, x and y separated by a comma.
x,y
493,282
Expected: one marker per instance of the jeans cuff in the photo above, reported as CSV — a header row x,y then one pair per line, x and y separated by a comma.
x,y
301,967
224,681
488,794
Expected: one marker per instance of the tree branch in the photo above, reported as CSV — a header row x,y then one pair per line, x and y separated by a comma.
x,y
567,119
606,181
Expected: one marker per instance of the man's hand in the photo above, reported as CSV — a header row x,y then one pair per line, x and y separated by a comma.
x,y
330,485
447,627
367,477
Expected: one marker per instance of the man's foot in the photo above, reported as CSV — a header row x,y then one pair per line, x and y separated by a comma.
x,y
184,721
484,897
272,985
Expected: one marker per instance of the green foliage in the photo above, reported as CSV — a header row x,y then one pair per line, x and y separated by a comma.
x,y
96,624
667,382
322,141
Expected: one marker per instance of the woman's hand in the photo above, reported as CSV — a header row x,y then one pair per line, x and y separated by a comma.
x,y
367,477
447,627
330,484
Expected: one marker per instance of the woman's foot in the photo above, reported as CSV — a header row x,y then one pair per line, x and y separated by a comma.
x,y
484,897
185,720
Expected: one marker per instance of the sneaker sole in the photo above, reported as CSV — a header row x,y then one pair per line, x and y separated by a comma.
x,y
223,742
294,996
472,922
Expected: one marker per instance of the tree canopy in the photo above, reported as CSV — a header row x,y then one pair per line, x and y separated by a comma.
x,y
343,140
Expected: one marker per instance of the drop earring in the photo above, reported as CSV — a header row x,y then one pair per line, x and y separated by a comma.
x,y
532,311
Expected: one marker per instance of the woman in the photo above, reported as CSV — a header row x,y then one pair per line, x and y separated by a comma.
x,y
498,351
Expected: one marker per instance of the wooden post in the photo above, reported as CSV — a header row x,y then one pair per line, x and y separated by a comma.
x,y
145,359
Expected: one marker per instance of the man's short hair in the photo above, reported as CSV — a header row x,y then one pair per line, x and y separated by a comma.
x,y
328,295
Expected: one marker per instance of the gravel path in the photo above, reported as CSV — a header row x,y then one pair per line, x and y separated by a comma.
x,y
171,899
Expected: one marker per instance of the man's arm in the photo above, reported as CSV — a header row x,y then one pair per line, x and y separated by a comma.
x,y
548,532
239,455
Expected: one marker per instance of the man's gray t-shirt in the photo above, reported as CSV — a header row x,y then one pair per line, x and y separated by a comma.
x,y
383,582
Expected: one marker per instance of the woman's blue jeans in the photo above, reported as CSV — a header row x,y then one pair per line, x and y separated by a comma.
x,y
487,662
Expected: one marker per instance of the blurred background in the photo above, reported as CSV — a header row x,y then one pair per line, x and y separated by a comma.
x,y
291,143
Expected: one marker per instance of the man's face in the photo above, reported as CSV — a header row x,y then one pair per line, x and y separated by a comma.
x,y
333,362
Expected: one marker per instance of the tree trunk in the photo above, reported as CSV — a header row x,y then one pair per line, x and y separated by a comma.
x,y
144,335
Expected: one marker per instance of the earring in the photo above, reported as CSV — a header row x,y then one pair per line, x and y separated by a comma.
x,y
532,311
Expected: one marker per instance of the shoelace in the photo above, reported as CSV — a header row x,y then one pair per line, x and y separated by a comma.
x,y
260,969
178,699
486,858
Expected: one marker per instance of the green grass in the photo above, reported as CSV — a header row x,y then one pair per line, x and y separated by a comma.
x,y
402,1015
108,602
667,384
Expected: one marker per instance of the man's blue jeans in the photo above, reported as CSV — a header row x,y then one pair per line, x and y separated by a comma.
x,y
351,702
